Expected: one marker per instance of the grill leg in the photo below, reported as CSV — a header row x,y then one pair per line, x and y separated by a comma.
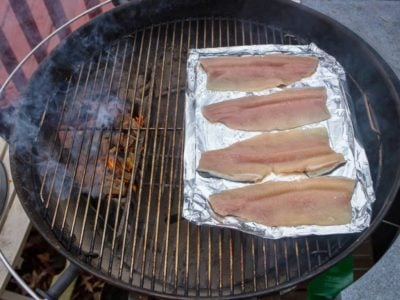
x,y
62,283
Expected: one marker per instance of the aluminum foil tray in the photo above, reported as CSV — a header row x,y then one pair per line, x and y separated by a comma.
x,y
201,135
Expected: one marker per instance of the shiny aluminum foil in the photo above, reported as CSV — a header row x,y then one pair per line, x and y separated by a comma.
x,y
201,135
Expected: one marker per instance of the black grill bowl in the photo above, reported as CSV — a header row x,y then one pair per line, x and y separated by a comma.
x,y
158,252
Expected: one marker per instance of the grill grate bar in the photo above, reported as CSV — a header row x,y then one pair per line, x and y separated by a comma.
x,y
85,168
188,226
220,262
164,139
254,265
60,194
296,247
209,233
42,188
179,220
208,228
92,242
139,199
251,32
108,204
103,175
318,251
285,251
308,255
96,161
209,260
328,243
258,35
51,188
149,108
265,261
44,114
198,263
273,36
241,238
277,280
231,286
186,277
126,151
132,177
172,171
220,231
93,175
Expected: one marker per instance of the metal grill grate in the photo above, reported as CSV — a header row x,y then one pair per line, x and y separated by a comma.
x,y
136,235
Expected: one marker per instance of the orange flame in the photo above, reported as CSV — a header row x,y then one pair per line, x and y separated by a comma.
x,y
110,163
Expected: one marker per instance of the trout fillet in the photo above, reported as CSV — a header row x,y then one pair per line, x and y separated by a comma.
x,y
294,151
255,73
283,110
315,201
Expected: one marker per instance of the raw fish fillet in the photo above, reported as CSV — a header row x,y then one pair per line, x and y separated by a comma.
x,y
283,110
315,201
255,73
294,151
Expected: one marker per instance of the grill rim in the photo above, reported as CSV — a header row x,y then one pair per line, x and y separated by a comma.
x,y
18,163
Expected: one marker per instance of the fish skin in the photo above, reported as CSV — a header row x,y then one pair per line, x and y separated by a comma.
x,y
255,73
282,110
289,152
315,201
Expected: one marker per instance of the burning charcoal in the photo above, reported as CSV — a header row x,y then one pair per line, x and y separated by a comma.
x,y
116,189
108,147
130,162
135,122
